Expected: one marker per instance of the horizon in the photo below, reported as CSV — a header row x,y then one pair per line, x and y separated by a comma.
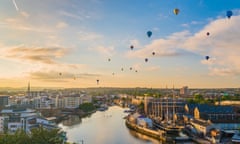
x,y
97,43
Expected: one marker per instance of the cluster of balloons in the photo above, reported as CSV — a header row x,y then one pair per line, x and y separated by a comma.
x,y
176,11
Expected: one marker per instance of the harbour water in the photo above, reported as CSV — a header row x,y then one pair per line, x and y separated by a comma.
x,y
103,127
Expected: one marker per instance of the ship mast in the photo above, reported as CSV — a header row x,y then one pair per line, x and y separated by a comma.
x,y
167,102
173,105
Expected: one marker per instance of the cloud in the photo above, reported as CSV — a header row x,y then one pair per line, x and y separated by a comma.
x,y
79,15
223,71
163,47
61,25
222,45
153,68
21,25
35,54
107,51
24,14
86,36
55,76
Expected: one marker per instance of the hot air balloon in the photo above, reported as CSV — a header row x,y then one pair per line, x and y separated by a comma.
x,y
113,73
176,11
60,74
121,69
149,34
153,53
146,59
109,59
97,81
208,33
229,14
207,57
131,47
136,71
130,68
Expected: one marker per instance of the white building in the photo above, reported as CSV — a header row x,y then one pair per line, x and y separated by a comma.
x,y
73,101
13,119
42,102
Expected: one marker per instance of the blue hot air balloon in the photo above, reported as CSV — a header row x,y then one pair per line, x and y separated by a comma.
x,y
207,57
229,14
149,34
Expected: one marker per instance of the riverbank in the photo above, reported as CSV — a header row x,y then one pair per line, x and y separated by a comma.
x,y
160,135
63,114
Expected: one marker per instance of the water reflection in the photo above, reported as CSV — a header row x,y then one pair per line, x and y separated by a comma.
x,y
72,120
144,137
107,127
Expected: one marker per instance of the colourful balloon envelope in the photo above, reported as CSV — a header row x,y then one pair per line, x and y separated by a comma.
x,y
149,34
146,59
208,33
176,11
229,14
207,57
131,47
153,53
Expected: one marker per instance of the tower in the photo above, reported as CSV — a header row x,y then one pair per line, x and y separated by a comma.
x,y
28,90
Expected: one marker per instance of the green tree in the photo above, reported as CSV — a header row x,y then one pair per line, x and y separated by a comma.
x,y
87,107
44,136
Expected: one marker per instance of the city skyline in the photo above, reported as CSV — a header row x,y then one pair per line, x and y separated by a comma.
x,y
74,43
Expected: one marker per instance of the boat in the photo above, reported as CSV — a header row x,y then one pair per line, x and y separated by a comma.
x,y
158,134
170,129
236,138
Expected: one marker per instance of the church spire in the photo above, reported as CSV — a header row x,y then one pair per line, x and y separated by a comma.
x,y
28,90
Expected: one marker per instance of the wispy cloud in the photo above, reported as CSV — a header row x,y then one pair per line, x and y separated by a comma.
x,y
55,76
61,25
106,51
15,5
77,15
35,54
19,24
25,14
87,36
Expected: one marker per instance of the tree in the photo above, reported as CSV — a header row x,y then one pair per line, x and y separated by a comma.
x,y
87,107
41,135
37,136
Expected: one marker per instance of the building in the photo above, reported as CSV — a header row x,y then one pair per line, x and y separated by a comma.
x,y
13,119
222,117
184,91
72,101
202,126
4,100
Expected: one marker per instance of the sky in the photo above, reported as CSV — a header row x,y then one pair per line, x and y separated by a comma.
x,y
74,43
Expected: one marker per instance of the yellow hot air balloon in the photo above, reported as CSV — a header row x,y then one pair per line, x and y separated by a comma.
x,y
176,11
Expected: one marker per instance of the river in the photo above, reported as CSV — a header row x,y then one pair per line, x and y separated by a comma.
x,y
103,127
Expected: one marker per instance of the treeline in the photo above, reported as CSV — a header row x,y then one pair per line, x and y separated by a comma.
x,y
37,136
